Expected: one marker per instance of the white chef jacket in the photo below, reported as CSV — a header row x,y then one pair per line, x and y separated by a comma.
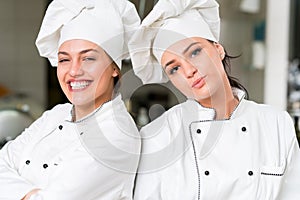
x,y
94,158
187,155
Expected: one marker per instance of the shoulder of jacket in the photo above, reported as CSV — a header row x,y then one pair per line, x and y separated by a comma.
x,y
63,106
269,115
59,110
167,120
263,108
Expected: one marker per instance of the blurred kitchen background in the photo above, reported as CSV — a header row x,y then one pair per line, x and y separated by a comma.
x,y
266,33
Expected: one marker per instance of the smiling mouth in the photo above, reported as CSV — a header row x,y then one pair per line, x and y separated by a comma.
x,y
78,85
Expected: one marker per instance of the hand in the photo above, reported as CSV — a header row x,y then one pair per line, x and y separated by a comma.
x,y
28,195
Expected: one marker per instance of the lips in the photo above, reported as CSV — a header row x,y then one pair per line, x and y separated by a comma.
x,y
79,85
198,83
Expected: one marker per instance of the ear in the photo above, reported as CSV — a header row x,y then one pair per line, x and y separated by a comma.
x,y
220,50
115,72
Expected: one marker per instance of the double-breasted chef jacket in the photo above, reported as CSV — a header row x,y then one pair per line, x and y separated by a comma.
x,y
94,158
186,154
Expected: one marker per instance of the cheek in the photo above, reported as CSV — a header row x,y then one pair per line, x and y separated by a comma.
x,y
61,72
215,63
100,75
104,77
180,83
96,69
209,66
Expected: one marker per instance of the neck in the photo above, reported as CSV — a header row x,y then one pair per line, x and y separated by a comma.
x,y
224,110
223,101
81,111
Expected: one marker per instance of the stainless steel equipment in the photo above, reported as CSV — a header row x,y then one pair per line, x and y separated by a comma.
x,y
12,123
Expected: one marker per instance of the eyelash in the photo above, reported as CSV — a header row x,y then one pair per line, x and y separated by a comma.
x,y
193,54
196,52
174,69
63,60
84,59
88,59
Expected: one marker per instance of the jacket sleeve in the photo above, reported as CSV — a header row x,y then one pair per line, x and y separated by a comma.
x,y
12,185
159,150
97,182
290,188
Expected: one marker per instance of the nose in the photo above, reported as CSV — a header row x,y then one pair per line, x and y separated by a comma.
x,y
75,69
189,69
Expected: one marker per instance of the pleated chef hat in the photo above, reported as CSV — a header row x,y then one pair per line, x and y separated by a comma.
x,y
108,23
169,22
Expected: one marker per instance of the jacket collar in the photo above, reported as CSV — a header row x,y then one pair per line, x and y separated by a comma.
x,y
208,114
105,107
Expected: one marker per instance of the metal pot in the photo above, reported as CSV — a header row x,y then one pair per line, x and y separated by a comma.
x,y
12,123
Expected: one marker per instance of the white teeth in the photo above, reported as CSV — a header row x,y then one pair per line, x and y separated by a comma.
x,y
79,85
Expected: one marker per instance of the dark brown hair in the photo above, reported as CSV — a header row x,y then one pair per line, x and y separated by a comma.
x,y
234,82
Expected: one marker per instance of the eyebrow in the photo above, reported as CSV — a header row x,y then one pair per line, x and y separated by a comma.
x,y
81,52
189,47
184,51
169,63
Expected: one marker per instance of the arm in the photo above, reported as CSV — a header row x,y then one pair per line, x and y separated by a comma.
x,y
83,178
290,187
156,138
13,185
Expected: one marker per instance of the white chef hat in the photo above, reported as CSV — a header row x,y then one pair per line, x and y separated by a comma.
x,y
108,23
169,22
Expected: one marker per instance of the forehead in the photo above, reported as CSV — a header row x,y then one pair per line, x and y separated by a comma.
x,y
78,45
180,46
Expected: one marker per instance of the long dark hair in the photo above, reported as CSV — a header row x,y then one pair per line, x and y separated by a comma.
x,y
234,82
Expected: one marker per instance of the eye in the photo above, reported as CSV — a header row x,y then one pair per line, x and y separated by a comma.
x,y
174,69
89,59
62,60
195,52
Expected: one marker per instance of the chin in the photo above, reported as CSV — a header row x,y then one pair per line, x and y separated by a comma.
x,y
82,102
199,96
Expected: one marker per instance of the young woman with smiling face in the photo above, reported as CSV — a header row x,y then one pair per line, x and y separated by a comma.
x,y
87,148
86,75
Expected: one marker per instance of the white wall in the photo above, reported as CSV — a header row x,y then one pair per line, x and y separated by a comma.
x,y
277,53
21,68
